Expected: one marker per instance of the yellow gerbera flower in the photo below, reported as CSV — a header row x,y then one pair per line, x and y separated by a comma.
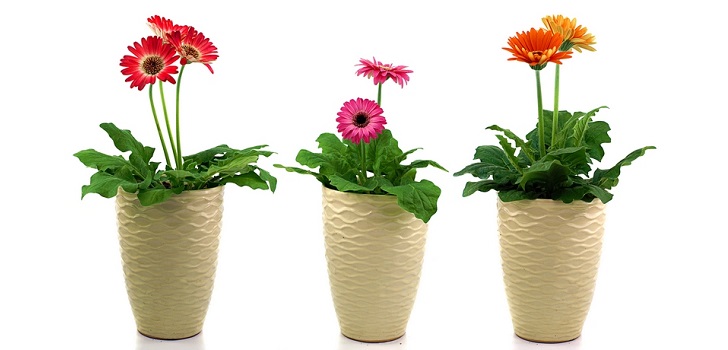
x,y
575,36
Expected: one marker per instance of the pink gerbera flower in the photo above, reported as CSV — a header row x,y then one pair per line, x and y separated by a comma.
x,y
381,72
162,27
152,60
360,119
193,46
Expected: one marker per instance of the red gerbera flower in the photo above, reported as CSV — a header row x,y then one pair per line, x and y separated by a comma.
x,y
193,46
162,27
360,119
152,60
381,72
537,48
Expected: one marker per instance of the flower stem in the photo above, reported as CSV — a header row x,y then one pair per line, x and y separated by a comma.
x,y
555,124
156,122
541,130
379,95
363,156
169,130
179,143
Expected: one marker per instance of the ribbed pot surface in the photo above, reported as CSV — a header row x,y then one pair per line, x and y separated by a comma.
x,y
374,251
550,252
169,254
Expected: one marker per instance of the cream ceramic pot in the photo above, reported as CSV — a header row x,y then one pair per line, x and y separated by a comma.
x,y
374,251
169,254
550,252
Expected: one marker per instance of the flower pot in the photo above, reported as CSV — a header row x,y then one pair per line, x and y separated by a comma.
x,y
550,252
169,254
374,251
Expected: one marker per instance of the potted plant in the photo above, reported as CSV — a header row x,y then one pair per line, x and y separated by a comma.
x,y
375,214
550,201
169,218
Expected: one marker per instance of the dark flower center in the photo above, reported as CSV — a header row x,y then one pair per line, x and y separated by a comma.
x,y
191,52
152,65
361,120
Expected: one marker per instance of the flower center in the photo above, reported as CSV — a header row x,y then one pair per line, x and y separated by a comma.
x,y
361,120
152,65
537,55
191,53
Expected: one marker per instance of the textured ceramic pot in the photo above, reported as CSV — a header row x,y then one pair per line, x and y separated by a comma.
x,y
374,251
169,254
550,252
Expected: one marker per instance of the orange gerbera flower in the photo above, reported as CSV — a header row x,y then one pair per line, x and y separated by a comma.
x,y
574,36
537,48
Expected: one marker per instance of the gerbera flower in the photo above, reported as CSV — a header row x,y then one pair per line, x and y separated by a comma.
x,y
537,48
193,46
573,36
152,60
381,72
162,27
360,119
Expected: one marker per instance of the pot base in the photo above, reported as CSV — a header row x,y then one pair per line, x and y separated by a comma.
x,y
388,339
169,339
546,341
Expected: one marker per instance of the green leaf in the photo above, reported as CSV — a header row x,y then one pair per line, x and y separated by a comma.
x,y
510,152
574,158
250,179
519,142
418,198
310,159
514,195
609,178
407,177
266,176
482,186
585,192
481,170
258,150
125,142
345,185
491,155
321,178
331,144
595,136
425,163
239,163
208,155
100,161
551,173
107,185
154,196
566,126
579,131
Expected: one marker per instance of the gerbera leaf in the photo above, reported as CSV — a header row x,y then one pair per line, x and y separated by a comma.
x,y
609,178
100,161
419,198
154,196
249,179
425,163
519,142
106,185
345,185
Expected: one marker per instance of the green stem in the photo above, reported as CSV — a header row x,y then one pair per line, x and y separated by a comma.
x,y
555,124
156,122
541,130
379,95
363,156
169,130
179,143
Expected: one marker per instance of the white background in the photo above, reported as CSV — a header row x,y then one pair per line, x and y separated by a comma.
x,y
285,69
